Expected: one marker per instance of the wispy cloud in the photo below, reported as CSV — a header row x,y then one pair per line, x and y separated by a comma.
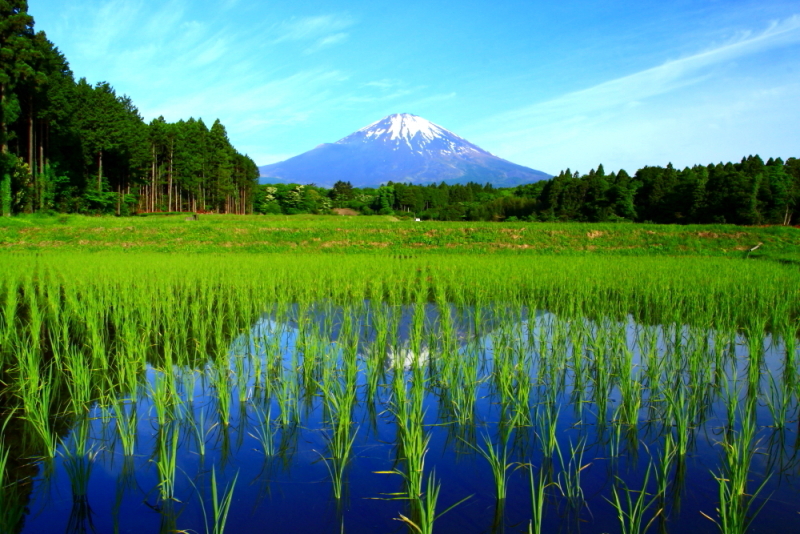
x,y
385,83
174,64
304,28
211,52
322,31
326,42
672,75
251,105
544,127
394,95
381,91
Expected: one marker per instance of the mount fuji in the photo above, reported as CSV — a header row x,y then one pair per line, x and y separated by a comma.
x,y
399,148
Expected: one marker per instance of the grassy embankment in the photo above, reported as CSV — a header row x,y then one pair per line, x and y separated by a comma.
x,y
261,234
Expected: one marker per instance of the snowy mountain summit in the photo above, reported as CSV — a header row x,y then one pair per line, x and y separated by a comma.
x,y
404,130
399,148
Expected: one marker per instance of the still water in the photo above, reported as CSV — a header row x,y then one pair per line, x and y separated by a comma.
x,y
609,390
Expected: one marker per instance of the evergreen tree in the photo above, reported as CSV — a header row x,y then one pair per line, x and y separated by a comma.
x,y
17,56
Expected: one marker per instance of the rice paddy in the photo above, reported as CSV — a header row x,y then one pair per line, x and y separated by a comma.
x,y
412,393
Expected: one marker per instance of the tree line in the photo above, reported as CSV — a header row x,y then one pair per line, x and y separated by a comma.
x,y
747,193
71,146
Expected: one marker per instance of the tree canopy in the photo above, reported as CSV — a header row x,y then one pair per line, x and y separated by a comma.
x,y
73,146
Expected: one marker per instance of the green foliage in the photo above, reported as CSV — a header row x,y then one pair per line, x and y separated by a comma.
x,y
747,193
75,147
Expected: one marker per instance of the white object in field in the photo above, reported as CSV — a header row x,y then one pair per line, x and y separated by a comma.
x,y
406,356
417,219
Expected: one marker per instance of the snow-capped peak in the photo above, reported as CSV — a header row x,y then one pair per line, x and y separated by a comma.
x,y
418,134
403,125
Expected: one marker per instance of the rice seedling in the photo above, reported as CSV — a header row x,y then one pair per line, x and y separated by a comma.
x,y
680,414
220,504
413,440
546,420
339,448
220,376
197,429
778,400
287,395
497,456
9,331
538,485
569,479
631,389
164,396
339,399
79,458
427,507
664,465
631,511
735,513
79,382
36,392
126,419
735,502
167,461
264,432
241,376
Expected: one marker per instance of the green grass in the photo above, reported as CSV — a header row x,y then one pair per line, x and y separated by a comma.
x,y
333,234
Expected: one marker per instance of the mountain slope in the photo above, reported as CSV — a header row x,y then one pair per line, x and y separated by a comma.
x,y
399,148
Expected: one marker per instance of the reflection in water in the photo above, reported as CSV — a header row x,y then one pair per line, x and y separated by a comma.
x,y
404,333
338,416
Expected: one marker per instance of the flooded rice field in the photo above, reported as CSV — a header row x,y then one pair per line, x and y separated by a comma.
x,y
173,404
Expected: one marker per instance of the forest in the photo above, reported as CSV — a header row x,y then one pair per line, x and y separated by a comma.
x,y
749,192
72,146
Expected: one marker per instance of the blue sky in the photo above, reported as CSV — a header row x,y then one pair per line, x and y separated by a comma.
x,y
545,84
